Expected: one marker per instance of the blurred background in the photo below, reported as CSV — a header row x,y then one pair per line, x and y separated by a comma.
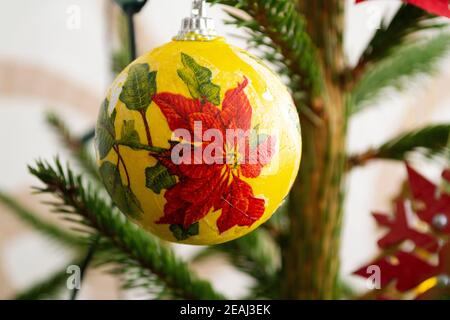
x,y
57,55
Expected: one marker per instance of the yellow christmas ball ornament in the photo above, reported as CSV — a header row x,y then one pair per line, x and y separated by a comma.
x,y
197,141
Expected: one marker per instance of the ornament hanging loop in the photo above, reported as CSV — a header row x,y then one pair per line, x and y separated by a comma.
x,y
198,9
198,26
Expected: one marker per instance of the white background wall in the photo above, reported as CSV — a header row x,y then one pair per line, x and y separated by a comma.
x,y
40,57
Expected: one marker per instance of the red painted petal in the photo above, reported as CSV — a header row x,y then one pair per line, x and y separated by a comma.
x,y
255,160
177,108
200,190
236,109
211,109
165,159
240,207
251,170
205,121
175,208
198,169
190,200
193,164
203,194
223,187
196,212
186,204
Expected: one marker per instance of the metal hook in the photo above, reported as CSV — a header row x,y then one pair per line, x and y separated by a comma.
x,y
198,25
198,9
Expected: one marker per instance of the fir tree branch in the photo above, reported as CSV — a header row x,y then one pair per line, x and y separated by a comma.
x,y
397,70
79,150
48,288
408,21
84,265
145,253
448,149
432,139
255,255
346,290
48,229
281,30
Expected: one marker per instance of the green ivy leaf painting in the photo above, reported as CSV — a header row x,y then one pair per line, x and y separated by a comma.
x,y
123,196
158,178
129,135
105,134
182,234
198,80
139,87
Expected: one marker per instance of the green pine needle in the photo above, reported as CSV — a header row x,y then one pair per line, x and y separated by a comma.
x,y
431,140
136,253
278,28
31,218
79,151
397,70
49,288
256,255
407,22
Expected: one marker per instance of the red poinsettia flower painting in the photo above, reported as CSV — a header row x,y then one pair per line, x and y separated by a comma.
x,y
205,187
437,7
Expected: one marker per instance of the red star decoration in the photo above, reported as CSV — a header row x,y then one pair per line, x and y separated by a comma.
x,y
431,201
407,270
400,230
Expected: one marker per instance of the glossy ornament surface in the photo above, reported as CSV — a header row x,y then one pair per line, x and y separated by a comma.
x,y
166,149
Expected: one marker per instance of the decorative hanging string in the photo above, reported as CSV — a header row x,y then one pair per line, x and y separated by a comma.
x,y
130,8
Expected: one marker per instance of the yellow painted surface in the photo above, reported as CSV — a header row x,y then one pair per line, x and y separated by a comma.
x,y
273,112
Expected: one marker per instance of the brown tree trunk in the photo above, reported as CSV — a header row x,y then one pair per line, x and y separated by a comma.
x,y
311,256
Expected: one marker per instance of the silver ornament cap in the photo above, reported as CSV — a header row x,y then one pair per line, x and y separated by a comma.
x,y
198,26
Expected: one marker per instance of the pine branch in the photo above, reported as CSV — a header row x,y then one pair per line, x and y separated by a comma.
x,y
407,22
32,219
396,71
48,288
85,264
432,139
448,149
255,255
138,249
79,150
280,30
347,292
